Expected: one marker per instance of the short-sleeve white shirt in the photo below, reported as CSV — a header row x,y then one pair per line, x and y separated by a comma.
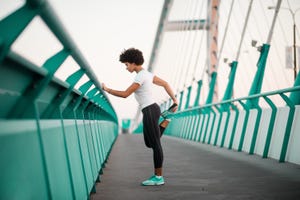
x,y
143,94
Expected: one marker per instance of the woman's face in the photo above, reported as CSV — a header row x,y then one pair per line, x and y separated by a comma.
x,y
130,66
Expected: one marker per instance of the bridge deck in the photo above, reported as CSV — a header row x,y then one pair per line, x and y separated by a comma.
x,y
195,171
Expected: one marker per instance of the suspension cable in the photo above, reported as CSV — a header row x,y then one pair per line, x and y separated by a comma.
x,y
276,50
225,33
198,54
192,48
244,29
185,26
178,47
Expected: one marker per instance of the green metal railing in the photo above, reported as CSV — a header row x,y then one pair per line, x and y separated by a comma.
x,y
54,139
183,120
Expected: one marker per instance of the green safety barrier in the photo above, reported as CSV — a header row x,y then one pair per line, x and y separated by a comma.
x,y
139,129
209,124
54,139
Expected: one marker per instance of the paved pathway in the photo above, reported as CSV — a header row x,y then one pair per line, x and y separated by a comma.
x,y
194,171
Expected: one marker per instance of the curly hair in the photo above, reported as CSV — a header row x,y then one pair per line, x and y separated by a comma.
x,y
132,55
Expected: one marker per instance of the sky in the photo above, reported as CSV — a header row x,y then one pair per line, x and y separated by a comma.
x,y
101,29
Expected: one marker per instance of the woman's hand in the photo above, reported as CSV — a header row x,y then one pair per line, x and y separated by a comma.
x,y
104,87
176,107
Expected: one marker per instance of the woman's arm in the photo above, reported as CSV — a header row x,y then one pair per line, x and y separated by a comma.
x,y
133,87
166,86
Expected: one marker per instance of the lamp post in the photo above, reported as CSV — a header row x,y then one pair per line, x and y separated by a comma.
x,y
293,13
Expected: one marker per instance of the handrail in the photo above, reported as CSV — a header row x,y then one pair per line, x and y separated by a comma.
x,y
43,9
281,91
49,17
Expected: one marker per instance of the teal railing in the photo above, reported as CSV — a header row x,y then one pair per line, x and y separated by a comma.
x,y
54,139
269,132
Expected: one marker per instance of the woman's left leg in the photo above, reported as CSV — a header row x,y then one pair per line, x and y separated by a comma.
x,y
152,131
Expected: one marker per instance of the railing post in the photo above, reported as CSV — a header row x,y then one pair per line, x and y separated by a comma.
x,y
180,101
190,123
211,88
197,124
295,95
255,131
207,124
212,125
271,126
74,107
219,124
234,125
187,103
197,99
227,110
204,114
194,124
288,127
42,150
258,79
246,108
229,88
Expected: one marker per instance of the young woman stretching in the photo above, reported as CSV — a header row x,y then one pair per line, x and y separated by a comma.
x,y
142,87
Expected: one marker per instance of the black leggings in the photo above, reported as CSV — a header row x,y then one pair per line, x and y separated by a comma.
x,y
152,133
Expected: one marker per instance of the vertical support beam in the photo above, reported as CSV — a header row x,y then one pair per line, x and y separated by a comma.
x,y
193,128
288,128
271,126
229,89
227,110
180,101
207,124
212,125
203,116
295,95
212,42
246,108
212,86
259,76
198,112
187,103
261,64
237,112
197,99
255,131
228,95
67,153
219,124
42,151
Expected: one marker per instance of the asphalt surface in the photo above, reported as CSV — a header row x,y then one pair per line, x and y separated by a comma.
x,y
194,171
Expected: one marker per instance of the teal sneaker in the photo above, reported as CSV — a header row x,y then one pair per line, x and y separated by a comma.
x,y
154,180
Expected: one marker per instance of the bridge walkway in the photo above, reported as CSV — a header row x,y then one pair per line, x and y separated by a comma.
x,y
195,171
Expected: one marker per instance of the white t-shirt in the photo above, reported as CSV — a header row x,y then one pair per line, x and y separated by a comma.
x,y
143,94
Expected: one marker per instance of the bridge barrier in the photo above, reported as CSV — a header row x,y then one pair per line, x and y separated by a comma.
x,y
52,159
270,132
54,139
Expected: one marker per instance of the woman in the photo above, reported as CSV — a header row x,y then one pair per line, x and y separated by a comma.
x,y
142,87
